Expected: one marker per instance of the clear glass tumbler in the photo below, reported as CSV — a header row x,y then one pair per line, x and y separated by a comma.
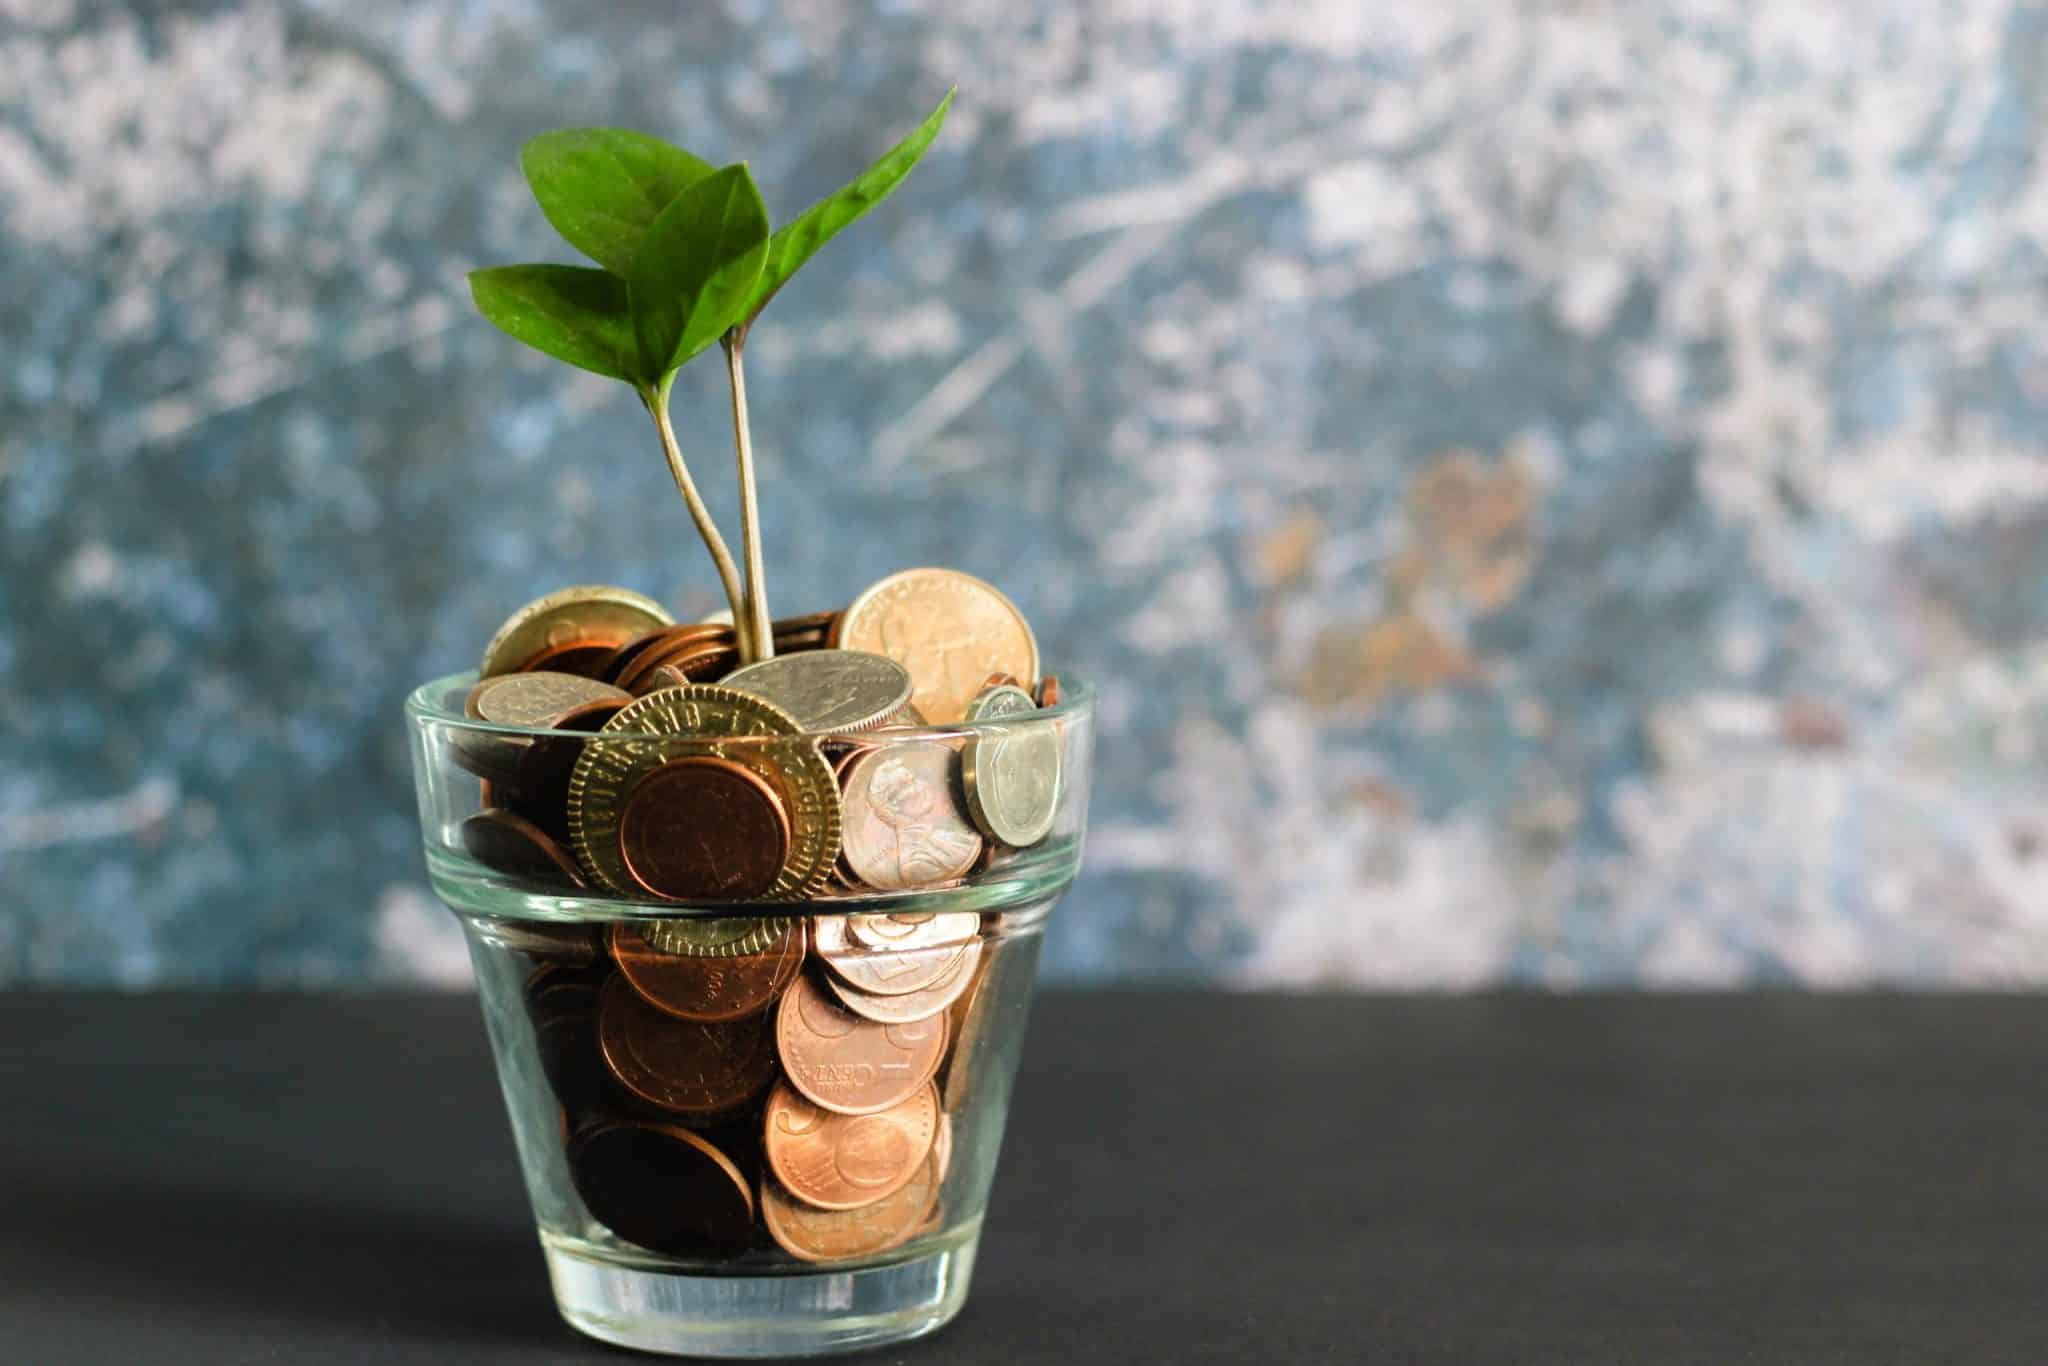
x,y
762,1128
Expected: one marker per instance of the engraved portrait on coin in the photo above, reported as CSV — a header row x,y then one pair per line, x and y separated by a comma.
x,y
901,827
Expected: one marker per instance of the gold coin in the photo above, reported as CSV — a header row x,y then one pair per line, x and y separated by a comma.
x,y
705,719
1010,773
591,613
949,629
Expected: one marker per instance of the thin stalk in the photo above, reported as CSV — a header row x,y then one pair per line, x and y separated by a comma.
x,y
750,516
656,400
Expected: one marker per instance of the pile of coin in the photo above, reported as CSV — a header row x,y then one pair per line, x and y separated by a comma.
x,y
782,780
733,1086
739,1085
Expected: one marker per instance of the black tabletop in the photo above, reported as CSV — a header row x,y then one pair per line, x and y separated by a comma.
x,y
1187,1179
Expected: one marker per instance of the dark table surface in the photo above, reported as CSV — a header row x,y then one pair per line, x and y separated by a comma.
x,y
1187,1179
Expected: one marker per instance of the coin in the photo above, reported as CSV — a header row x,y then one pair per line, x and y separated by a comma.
x,y
720,722
1000,680
728,936
663,1188
537,700
816,1235
510,843
942,1146
1011,772
561,1003
1049,691
847,1064
901,825
967,1024
836,1161
705,987
553,942
884,972
949,629
539,788
703,828
592,614
904,1007
690,1067
828,690
915,930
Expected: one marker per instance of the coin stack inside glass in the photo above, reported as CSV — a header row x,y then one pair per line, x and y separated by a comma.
x,y
740,1084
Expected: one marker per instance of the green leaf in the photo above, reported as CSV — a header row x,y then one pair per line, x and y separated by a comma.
x,y
798,240
697,268
603,187
573,313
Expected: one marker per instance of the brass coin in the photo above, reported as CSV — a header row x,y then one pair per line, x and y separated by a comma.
x,y
951,630
835,1161
589,614
828,690
708,936
816,1235
905,1007
914,931
707,988
510,843
850,1065
697,721
901,825
703,829
690,1067
885,972
663,1188
1011,773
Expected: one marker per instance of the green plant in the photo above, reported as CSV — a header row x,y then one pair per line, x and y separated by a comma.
x,y
685,258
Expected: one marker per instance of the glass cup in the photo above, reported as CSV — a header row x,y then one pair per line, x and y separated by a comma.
x,y
753,1128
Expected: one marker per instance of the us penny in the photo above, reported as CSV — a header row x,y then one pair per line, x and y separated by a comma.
x,y
835,1161
905,1007
851,1065
949,629
663,1188
901,827
1010,773
703,828
685,1066
586,615
1049,691
704,987
829,690
886,972
817,1235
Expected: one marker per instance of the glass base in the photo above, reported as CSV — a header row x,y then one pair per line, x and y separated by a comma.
x,y
778,1315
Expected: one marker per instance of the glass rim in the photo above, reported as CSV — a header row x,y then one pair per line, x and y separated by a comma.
x,y
427,705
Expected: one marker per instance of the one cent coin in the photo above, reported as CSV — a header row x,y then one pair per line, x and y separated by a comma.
x,y
905,1007
851,1065
707,988
663,1188
951,630
591,614
829,690
509,843
816,1235
901,826
1049,691
684,1066
835,1161
703,829
885,972
1011,772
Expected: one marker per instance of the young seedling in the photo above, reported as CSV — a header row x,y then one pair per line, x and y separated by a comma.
x,y
685,258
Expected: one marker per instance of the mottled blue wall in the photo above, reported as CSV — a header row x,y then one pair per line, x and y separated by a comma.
x,y
1555,491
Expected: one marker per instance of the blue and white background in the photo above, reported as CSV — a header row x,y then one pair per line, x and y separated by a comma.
x,y
1555,490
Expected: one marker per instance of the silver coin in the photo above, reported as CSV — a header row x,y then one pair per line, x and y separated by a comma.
x,y
828,690
1010,773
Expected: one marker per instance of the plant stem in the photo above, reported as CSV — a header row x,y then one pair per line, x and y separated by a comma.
x,y
656,400
750,516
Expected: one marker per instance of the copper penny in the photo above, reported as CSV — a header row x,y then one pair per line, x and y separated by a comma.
x,y
1049,691
886,972
509,843
703,828
851,1065
836,1161
816,1235
685,1066
663,1188
999,680
920,930
905,1007
950,629
583,658
899,822
707,988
